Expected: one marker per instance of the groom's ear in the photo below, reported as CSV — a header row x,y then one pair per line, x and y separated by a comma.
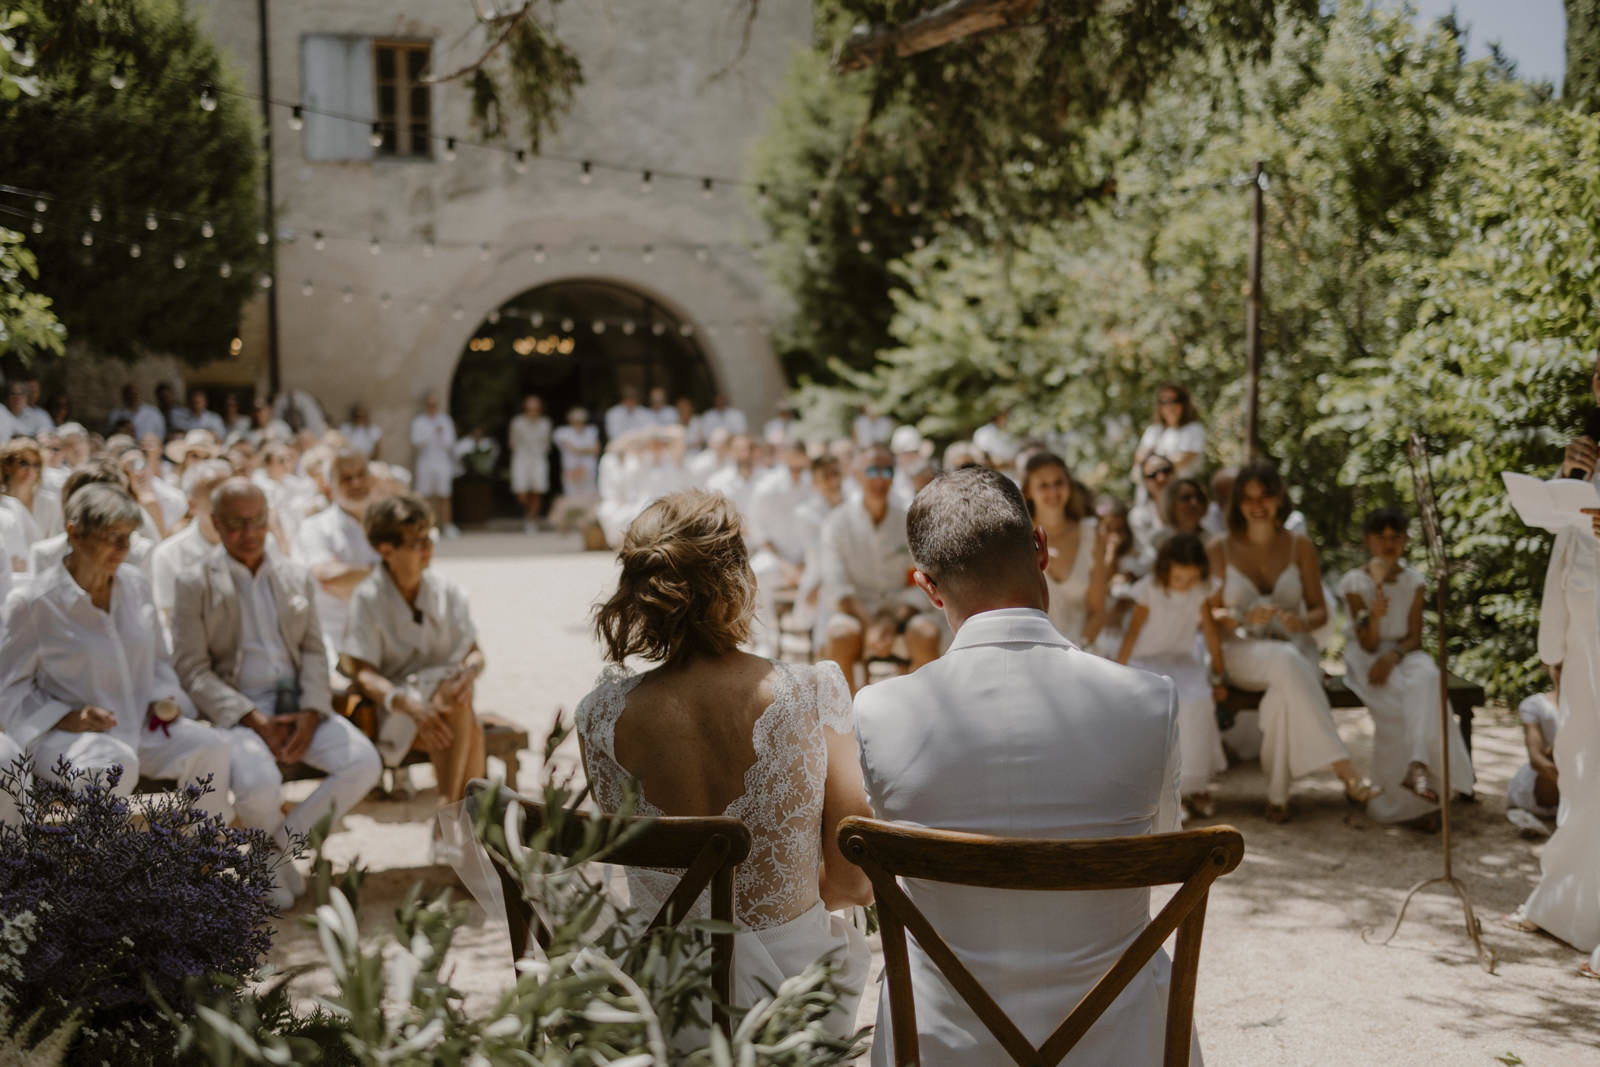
x,y
929,589
1041,547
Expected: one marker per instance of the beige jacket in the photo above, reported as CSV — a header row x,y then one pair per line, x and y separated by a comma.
x,y
206,637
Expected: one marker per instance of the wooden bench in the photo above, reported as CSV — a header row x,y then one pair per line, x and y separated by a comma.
x,y
1464,696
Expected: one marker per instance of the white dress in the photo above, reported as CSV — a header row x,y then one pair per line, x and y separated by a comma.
x,y
1566,901
1069,599
1166,645
1174,441
1405,709
1297,731
1541,710
782,925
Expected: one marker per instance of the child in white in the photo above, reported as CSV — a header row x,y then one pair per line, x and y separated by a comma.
x,y
1533,794
1169,611
1398,683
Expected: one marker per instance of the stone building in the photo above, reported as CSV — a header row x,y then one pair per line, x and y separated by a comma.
x,y
407,266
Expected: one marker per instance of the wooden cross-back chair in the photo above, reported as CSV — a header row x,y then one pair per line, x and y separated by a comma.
x,y
1194,859
706,850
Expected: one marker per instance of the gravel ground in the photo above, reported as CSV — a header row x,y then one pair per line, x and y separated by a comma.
x,y
1285,976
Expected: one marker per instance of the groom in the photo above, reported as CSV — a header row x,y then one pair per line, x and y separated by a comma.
x,y
1018,733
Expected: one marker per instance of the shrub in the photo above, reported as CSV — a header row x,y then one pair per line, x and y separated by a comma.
x,y
134,902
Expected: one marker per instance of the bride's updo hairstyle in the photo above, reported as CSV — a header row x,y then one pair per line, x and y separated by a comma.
x,y
686,588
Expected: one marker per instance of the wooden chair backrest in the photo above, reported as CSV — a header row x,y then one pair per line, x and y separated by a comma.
x,y
1193,859
706,850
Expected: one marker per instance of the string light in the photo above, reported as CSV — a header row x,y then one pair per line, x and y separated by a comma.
x,y
375,136
538,253
119,77
37,227
318,241
297,118
208,97
585,173
266,281
40,206
915,207
373,246
493,316
235,346
864,246
686,330
95,214
707,188
862,207
566,325
658,328
134,251
599,326
628,327
449,153
647,183
207,230
88,238
225,269
263,237
178,262
918,241
537,318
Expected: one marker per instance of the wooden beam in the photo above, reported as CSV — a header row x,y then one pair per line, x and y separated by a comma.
x,y
948,22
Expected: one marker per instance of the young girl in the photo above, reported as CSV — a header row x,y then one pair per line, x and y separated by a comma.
x,y
1398,683
1169,606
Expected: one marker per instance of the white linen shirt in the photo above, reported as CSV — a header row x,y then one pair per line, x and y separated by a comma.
x,y
60,652
529,437
867,560
362,438
263,659
384,630
178,554
434,438
730,419
775,513
333,534
620,420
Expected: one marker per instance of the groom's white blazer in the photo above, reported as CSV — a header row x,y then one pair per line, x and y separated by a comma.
x,y
1016,732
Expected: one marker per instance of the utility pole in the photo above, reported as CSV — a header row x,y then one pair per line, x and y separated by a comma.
x,y
1252,321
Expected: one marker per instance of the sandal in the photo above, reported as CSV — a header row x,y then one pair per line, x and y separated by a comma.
x,y
1360,790
1277,814
1201,805
1416,780
1589,972
1518,921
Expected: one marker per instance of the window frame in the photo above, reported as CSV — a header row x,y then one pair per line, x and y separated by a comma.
x,y
403,121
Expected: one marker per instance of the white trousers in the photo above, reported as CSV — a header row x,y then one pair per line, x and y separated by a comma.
x,y
190,752
1200,754
10,752
1405,722
764,631
338,749
1297,731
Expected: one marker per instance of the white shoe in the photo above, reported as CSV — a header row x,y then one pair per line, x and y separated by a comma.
x,y
1529,825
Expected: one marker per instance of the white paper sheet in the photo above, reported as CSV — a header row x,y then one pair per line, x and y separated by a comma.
x,y
1554,504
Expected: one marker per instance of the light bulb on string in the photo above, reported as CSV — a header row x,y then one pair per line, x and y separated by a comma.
x,y
647,183
208,97
95,214
384,300
538,253
628,327
537,318
814,205
235,346
566,325
449,153
375,136
458,312
207,230
134,251
427,250
594,253
762,198
373,246
863,206
40,207
707,188
306,288
598,326
658,328
119,77
37,226
519,161
918,241
87,238
178,262
864,246
297,118
648,253
915,207
266,281
585,172
263,237
318,240
493,316
484,251
686,330
347,295
225,269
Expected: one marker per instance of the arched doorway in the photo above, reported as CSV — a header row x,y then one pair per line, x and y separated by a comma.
x,y
573,343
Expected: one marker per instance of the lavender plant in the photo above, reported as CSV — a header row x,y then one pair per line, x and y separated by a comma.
x,y
135,902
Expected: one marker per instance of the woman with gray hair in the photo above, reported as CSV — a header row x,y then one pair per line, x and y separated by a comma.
x,y
85,674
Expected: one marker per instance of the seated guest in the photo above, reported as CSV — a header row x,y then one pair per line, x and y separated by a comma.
x,y
1148,518
248,648
693,732
182,552
1534,794
234,418
870,427
1186,507
411,648
50,551
21,463
84,671
1216,520
737,480
1269,601
627,415
782,428
165,504
719,416
334,545
1017,733
1397,682
359,432
1077,575
867,598
694,435
997,442
780,538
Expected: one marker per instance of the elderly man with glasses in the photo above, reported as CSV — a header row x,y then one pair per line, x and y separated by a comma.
x,y
249,649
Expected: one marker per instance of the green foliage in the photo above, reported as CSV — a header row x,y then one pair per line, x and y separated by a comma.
x,y
149,145
1581,88
529,63
599,992
1428,264
28,328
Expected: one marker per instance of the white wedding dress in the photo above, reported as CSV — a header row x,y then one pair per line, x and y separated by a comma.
x,y
782,925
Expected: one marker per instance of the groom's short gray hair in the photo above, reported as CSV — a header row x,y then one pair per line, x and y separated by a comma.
x,y
971,525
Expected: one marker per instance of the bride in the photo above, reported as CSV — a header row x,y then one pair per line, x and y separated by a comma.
x,y
710,730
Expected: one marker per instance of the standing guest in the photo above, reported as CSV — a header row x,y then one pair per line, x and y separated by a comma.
x,y
1269,602
1534,794
579,446
781,428
234,419
334,545
1175,432
412,649
997,442
245,634
477,453
1397,682
360,433
869,427
1017,733
694,434
1566,902
17,409
661,412
84,670
868,603
626,415
265,426
1077,576
182,552
9,426
167,404
433,435
47,552
198,416
35,419
529,438
1148,517
696,733
145,418
20,464
719,416
1169,612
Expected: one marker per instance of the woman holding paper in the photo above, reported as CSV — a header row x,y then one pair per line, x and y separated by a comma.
x,y
1566,901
